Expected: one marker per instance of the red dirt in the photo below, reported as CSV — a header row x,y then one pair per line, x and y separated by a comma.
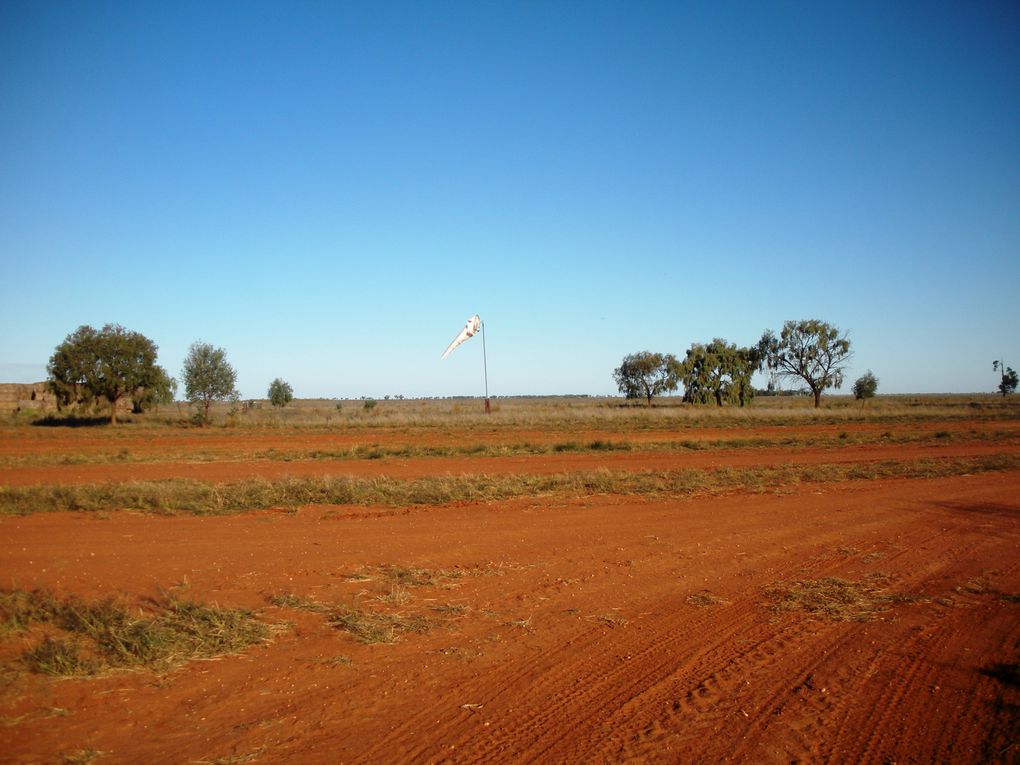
x,y
578,642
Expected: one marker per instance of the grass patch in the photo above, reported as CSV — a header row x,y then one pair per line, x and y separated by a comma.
x,y
82,757
187,496
372,627
293,601
704,599
831,598
85,638
376,451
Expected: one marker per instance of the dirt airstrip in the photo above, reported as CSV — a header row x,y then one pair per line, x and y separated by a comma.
x,y
558,628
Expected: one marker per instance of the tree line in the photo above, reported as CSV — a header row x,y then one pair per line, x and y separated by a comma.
x,y
114,364
812,352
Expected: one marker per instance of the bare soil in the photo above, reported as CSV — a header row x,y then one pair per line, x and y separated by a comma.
x,y
563,629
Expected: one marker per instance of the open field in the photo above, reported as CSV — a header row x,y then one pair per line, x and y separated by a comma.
x,y
564,581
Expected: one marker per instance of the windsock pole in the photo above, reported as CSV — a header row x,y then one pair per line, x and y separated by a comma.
x,y
485,371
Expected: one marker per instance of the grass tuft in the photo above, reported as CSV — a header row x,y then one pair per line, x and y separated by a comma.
x,y
373,627
830,597
704,599
94,637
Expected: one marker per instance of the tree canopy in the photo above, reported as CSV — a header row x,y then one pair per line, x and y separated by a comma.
x,y
812,351
280,393
719,371
207,376
1008,381
107,364
865,386
645,374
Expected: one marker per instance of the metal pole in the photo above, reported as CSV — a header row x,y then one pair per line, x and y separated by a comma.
x,y
485,370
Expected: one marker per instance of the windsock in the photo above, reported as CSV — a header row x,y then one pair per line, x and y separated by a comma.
x,y
473,325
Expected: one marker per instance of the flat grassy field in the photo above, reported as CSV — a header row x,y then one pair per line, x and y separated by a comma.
x,y
564,580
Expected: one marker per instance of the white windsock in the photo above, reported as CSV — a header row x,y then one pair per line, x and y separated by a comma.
x,y
472,326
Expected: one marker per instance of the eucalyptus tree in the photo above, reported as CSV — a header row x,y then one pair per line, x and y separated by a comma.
x,y
719,371
811,350
645,374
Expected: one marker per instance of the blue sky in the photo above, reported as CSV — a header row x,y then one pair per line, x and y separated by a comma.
x,y
328,190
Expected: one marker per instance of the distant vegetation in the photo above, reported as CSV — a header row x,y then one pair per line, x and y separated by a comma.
x,y
865,386
280,393
1008,381
812,351
109,367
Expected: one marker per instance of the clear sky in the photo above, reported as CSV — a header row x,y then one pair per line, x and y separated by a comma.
x,y
328,190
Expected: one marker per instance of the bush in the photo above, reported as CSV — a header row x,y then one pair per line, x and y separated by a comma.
x,y
280,393
865,386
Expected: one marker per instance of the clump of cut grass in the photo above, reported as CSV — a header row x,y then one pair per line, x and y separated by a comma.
x,y
704,599
337,661
20,609
452,609
93,637
830,597
373,627
396,596
82,756
290,600
410,576
60,657
609,620
235,759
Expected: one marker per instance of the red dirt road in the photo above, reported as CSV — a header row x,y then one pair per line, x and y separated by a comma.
x,y
563,629
574,634
547,464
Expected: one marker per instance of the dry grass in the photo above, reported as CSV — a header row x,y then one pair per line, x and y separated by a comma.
x,y
704,442
373,627
188,496
81,638
704,599
831,598
566,413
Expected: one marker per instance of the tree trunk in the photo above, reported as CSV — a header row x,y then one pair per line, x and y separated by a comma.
x,y
113,411
818,397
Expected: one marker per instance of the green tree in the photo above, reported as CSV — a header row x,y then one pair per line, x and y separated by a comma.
x,y
280,393
810,350
865,386
108,364
207,377
1008,382
645,374
719,371
162,390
